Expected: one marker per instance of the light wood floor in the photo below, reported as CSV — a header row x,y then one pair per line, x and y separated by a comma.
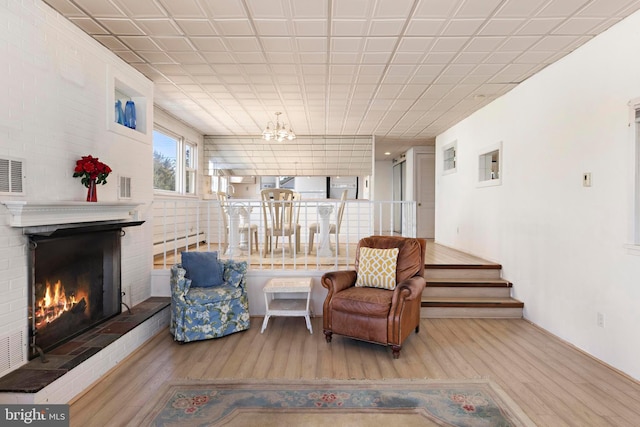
x,y
555,384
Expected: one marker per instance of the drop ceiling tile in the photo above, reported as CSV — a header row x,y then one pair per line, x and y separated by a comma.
x,y
519,43
155,57
243,44
121,27
352,9
233,27
484,44
224,9
386,27
218,57
604,8
209,44
273,27
159,27
562,8
439,57
174,44
100,9
111,42
408,57
129,56
520,8
66,8
425,27
193,68
415,44
474,8
462,27
540,57
379,44
170,69
470,58
282,58
140,8
375,58
501,27
139,43
249,57
436,8
577,26
277,44
196,27
539,26
310,28
554,43
502,57
350,28
183,8
449,44
89,26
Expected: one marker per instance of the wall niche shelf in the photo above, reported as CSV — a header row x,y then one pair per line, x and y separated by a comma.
x,y
117,89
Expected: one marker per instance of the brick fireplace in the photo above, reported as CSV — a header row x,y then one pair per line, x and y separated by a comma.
x,y
96,333
74,282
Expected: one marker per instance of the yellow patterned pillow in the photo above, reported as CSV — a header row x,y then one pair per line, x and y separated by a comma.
x,y
377,268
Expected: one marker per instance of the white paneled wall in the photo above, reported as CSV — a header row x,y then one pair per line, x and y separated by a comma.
x,y
55,108
564,246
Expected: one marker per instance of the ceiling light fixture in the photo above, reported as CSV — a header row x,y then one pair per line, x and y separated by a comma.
x,y
279,131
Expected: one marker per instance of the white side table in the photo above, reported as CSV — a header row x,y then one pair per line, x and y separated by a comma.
x,y
296,307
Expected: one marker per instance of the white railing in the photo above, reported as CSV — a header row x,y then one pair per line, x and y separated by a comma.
x,y
180,225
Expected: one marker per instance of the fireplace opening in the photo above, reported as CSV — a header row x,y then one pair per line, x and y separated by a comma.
x,y
75,284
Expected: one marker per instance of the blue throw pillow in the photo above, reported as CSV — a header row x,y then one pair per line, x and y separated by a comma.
x,y
202,268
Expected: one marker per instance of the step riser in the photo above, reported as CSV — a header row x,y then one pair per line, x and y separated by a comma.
x,y
460,273
470,312
466,292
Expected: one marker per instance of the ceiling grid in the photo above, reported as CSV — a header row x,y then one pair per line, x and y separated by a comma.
x,y
401,71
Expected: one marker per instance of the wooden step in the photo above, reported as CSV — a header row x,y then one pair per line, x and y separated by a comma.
x,y
475,307
467,287
470,271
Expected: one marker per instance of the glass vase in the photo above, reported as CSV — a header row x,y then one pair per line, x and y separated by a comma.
x,y
130,115
92,195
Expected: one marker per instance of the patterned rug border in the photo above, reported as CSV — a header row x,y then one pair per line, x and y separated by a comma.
x,y
160,398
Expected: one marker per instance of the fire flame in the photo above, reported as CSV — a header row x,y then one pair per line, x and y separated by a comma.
x,y
54,303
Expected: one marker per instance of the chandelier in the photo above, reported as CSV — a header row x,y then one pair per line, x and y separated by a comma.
x,y
279,131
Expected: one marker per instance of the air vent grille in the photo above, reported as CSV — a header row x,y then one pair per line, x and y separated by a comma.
x,y
11,176
125,187
11,352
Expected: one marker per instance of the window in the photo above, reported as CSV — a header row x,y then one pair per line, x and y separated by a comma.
x,y
449,160
490,166
174,163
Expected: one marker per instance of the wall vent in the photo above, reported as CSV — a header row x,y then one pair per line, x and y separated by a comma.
x,y
125,187
11,176
12,353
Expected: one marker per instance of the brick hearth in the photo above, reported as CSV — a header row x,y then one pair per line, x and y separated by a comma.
x,y
35,375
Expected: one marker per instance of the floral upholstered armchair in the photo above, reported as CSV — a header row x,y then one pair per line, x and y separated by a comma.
x,y
208,297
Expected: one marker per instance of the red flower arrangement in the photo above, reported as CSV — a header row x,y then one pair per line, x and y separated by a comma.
x,y
90,168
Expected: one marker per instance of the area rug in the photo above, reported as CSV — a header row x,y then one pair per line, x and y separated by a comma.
x,y
472,403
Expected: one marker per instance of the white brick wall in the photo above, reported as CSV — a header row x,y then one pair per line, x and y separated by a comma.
x,y
55,108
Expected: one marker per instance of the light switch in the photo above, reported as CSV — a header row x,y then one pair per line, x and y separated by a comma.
x,y
586,179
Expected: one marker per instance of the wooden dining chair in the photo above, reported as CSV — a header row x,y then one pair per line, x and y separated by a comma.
x,y
278,213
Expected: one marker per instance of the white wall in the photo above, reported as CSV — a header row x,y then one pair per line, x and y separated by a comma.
x,y
561,244
56,108
382,189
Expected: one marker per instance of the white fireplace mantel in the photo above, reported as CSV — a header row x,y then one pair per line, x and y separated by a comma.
x,y
29,214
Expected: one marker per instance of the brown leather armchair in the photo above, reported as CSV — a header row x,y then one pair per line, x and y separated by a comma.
x,y
380,316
